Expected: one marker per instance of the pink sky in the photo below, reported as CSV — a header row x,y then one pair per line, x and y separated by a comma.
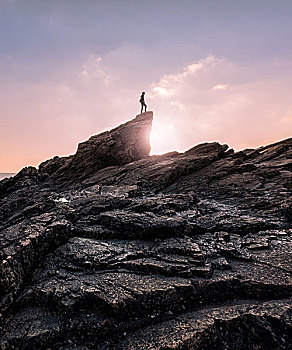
x,y
211,73
207,100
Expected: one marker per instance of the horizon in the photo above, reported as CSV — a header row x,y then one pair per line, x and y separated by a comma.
x,y
150,154
212,71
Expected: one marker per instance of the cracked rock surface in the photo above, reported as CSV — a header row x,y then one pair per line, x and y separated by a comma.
x,y
111,248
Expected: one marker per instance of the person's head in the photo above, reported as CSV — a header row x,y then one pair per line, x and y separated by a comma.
x,y
143,93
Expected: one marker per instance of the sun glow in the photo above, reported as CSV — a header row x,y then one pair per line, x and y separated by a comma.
x,y
162,138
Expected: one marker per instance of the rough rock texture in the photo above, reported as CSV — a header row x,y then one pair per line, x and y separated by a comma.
x,y
113,249
122,145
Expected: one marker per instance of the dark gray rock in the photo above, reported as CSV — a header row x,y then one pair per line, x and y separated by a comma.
x,y
112,249
124,144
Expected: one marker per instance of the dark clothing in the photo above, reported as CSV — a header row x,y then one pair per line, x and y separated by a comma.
x,y
143,104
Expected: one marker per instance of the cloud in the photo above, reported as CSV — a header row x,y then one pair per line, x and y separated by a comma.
x,y
211,99
170,84
83,74
93,69
220,87
255,106
162,91
55,112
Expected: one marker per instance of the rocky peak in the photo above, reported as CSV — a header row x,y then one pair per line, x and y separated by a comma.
x,y
124,144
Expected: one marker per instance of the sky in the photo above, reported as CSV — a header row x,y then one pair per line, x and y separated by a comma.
x,y
212,70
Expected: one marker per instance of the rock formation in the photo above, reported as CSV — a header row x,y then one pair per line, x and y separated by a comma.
x,y
113,249
122,145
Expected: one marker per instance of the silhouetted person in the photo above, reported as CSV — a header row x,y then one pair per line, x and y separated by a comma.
x,y
142,101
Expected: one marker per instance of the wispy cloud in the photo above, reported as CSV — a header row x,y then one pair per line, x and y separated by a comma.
x,y
244,116
170,84
220,87
94,70
163,91
212,99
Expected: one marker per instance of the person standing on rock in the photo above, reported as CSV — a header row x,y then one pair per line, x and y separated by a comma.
x,y
142,101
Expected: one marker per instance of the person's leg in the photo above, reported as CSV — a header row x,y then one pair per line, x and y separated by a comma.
x,y
141,108
145,106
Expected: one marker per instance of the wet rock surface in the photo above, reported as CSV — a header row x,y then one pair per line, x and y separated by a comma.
x,y
113,249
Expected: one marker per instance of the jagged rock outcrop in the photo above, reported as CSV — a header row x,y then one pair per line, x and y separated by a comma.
x,y
113,249
124,144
